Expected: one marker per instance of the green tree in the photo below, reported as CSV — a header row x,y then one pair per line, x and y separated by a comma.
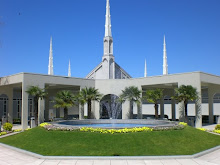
x,y
37,93
87,95
154,96
133,95
64,99
185,93
81,101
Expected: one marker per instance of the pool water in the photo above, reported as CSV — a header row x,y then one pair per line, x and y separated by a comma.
x,y
112,125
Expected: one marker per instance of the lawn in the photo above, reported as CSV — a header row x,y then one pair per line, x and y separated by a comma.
x,y
173,142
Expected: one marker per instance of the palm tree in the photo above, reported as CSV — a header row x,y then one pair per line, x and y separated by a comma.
x,y
154,96
37,93
132,94
88,95
81,101
64,99
185,93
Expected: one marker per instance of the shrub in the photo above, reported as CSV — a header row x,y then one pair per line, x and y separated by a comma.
x,y
3,133
17,130
217,127
7,126
27,129
182,123
217,131
44,124
202,129
112,131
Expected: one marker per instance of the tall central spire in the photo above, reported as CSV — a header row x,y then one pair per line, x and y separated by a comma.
x,y
50,66
108,40
165,66
108,31
108,60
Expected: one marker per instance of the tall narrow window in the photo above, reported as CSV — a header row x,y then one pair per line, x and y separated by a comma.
x,y
5,107
18,108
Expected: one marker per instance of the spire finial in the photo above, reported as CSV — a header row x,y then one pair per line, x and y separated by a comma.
x,y
69,70
50,66
145,69
108,32
165,66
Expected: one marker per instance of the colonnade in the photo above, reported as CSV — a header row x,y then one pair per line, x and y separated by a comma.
x,y
43,105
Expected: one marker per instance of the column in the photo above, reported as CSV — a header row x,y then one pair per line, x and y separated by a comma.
x,y
24,115
95,110
173,109
10,105
181,106
47,107
198,107
41,107
81,111
139,107
173,106
210,98
81,108
162,108
125,110
86,110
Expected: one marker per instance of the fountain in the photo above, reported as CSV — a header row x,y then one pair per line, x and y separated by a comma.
x,y
110,104
111,117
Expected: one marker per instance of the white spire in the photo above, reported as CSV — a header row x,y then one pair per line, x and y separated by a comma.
x,y
108,32
69,70
145,69
50,66
165,66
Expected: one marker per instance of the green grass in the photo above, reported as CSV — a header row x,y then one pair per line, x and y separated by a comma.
x,y
175,142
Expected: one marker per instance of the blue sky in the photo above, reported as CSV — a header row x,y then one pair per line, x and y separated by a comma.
x,y
192,29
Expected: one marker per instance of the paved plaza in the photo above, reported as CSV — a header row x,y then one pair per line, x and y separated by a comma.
x,y
11,157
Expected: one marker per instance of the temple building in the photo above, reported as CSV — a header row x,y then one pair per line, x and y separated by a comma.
x,y
110,79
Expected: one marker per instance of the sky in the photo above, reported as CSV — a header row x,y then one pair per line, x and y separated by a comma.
x,y
191,27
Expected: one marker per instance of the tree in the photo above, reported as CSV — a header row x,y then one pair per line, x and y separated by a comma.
x,y
133,95
154,96
64,99
185,93
37,93
88,95
81,101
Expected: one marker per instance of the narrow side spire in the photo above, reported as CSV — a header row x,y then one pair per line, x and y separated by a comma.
x,y
145,69
108,31
165,66
50,66
69,70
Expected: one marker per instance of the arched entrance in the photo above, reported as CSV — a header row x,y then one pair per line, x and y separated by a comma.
x,y
110,108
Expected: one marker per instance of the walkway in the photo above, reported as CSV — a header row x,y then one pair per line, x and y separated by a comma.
x,y
12,157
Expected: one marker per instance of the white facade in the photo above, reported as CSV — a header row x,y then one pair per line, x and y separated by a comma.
x,y
13,88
